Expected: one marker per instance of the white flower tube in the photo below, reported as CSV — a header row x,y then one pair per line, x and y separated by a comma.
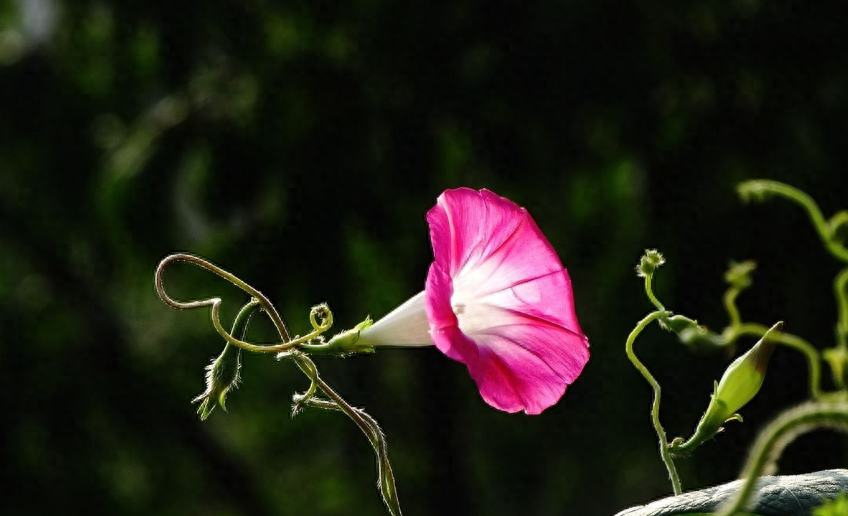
x,y
406,325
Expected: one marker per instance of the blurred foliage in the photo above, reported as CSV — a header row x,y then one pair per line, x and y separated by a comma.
x,y
300,145
836,507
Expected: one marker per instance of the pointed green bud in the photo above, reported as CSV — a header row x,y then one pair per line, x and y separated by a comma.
x,y
222,376
739,384
738,275
649,263
692,335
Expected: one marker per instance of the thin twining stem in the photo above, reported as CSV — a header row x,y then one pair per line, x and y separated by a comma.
x,y
760,186
366,423
665,453
214,304
730,306
649,291
777,436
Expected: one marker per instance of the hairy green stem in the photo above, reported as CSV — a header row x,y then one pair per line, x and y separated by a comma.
x,y
649,290
322,319
366,423
777,436
655,406
215,305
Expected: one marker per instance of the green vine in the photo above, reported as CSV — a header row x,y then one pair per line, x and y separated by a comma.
x,y
223,373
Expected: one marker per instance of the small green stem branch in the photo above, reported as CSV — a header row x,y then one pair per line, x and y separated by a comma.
x,y
655,407
777,436
760,188
786,339
731,308
649,291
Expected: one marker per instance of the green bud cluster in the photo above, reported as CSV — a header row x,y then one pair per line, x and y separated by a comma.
x,y
739,274
649,263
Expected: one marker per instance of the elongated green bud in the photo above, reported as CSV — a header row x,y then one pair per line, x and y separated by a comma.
x,y
744,377
224,373
222,376
739,384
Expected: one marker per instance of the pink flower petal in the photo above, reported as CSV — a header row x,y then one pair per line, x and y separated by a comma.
x,y
499,300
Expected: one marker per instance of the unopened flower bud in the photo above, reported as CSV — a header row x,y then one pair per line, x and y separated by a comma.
x,y
649,262
739,384
222,376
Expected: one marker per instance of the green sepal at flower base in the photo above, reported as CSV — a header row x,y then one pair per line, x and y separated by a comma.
x,y
345,343
222,376
738,385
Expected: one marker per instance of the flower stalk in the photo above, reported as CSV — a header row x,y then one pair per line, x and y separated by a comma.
x,y
665,453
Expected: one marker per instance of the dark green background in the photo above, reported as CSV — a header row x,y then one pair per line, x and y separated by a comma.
x,y
299,144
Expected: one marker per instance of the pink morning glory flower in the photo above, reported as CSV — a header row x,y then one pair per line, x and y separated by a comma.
x,y
497,299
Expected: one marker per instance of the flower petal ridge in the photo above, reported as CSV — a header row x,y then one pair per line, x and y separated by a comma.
x,y
499,300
